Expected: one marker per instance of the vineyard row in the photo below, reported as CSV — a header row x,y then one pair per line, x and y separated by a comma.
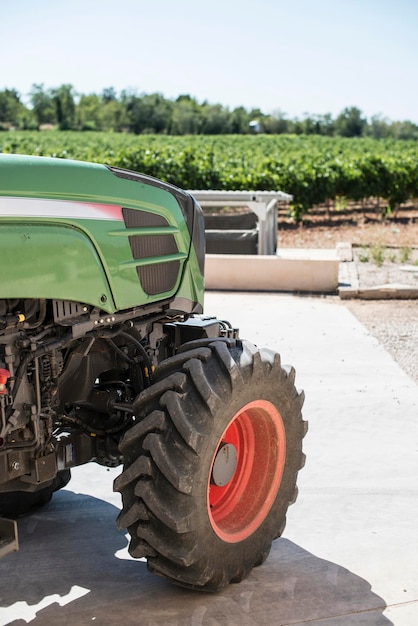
x,y
314,169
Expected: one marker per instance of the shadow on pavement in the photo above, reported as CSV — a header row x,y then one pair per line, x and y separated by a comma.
x,y
67,573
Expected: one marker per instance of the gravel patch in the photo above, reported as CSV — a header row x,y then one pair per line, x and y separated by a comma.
x,y
394,323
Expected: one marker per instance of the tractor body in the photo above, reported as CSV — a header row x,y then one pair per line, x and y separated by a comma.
x,y
101,322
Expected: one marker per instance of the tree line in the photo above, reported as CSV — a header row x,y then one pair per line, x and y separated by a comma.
x,y
63,108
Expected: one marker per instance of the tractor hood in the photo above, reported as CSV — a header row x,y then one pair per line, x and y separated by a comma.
x,y
102,236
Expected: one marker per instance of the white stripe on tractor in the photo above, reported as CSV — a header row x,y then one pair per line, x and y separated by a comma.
x,y
41,207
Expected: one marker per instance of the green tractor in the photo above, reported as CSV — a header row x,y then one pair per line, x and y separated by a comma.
x,y
106,356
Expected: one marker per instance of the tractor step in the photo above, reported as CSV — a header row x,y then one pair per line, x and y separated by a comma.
x,y
9,541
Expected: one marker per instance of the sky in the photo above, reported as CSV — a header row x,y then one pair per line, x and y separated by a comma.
x,y
296,57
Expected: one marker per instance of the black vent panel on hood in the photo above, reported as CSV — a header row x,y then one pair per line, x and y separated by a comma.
x,y
160,276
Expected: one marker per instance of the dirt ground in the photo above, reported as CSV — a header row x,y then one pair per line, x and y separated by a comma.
x,y
324,228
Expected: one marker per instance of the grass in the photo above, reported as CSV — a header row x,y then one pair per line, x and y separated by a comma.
x,y
364,255
405,254
377,253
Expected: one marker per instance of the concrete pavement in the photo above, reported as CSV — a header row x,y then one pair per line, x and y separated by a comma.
x,y
349,554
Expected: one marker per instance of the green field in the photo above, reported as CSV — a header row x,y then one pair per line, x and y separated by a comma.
x,y
313,169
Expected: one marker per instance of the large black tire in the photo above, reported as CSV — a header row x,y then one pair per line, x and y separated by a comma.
x,y
225,413
17,503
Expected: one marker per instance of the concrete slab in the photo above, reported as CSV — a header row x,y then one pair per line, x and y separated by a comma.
x,y
293,270
390,291
349,555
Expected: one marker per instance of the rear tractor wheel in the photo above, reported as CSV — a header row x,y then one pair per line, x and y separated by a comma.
x,y
210,467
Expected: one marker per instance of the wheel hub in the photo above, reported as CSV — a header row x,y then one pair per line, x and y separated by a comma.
x,y
247,470
224,465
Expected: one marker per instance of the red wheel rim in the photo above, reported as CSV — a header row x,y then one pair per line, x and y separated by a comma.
x,y
237,509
